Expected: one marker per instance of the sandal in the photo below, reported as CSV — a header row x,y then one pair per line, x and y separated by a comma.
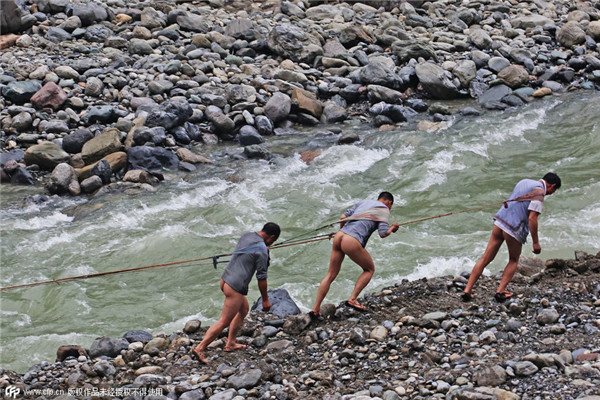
x,y
357,306
501,297
466,297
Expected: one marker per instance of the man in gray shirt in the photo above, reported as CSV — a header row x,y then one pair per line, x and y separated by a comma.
x,y
364,218
251,255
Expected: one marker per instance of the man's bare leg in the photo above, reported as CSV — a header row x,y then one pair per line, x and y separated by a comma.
x,y
235,326
360,256
335,263
496,240
514,252
233,304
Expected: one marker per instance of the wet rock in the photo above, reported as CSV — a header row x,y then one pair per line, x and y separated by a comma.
x,y
151,159
46,155
282,303
63,176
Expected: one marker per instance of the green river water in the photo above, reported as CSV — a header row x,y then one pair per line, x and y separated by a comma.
x,y
474,162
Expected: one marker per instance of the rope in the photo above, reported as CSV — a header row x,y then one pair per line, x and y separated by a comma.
x,y
215,257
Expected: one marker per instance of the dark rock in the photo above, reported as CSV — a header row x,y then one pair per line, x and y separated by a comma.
x,y
107,346
248,135
20,92
102,169
73,142
58,35
282,303
10,18
101,114
137,336
143,135
152,159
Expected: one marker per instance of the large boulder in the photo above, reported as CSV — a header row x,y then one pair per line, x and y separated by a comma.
x,y
10,18
46,155
282,303
290,41
278,107
570,34
152,159
436,81
50,95
107,142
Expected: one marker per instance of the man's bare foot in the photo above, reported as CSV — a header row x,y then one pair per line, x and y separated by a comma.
x,y
234,347
199,355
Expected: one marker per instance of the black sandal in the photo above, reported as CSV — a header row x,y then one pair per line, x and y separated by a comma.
x,y
466,297
501,297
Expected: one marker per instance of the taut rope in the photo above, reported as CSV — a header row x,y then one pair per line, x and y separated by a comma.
x,y
277,246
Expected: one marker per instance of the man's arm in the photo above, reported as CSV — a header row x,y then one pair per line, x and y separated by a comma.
x,y
533,229
262,286
392,229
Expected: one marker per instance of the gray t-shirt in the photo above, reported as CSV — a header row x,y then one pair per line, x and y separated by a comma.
x,y
250,255
361,230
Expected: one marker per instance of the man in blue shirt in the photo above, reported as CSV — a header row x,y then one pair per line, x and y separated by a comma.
x,y
513,222
363,219
251,255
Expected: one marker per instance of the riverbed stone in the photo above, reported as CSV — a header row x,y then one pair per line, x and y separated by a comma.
x,y
107,346
436,81
46,154
106,143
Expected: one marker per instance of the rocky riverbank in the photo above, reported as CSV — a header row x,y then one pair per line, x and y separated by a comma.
x,y
114,93
417,340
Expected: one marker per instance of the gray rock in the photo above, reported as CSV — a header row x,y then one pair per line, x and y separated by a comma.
x,y
278,107
93,87
248,135
570,34
228,394
480,38
245,380
290,41
495,93
332,112
73,142
143,135
547,316
193,22
151,380
378,93
222,123
103,171
91,184
104,368
380,71
494,376
525,368
497,64
197,394
282,303
152,159
20,92
436,81
530,21
10,19
407,49
140,46
46,155
107,346
465,71
58,35
61,178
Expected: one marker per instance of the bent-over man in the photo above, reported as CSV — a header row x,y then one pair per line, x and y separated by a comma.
x,y
251,255
362,220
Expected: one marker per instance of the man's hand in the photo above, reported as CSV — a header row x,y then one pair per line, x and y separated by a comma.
x,y
537,249
395,227
266,305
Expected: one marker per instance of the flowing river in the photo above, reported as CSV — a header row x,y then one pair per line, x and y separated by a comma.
x,y
474,162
